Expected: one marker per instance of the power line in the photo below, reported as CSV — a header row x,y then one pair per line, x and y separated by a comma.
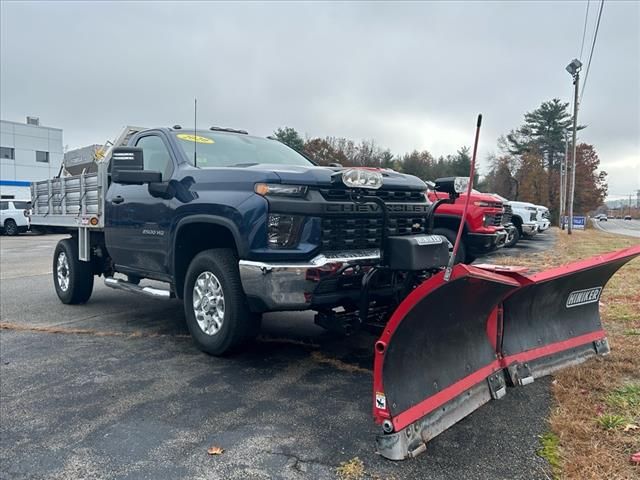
x,y
593,46
584,29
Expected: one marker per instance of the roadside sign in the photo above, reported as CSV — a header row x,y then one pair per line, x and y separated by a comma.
x,y
579,222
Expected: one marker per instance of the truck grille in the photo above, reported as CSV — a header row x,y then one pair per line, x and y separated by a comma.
x,y
493,219
340,233
507,214
413,196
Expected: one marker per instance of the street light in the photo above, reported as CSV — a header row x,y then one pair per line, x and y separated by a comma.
x,y
574,70
574,67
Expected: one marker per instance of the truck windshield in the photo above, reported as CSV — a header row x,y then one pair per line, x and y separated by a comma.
x,y
225,149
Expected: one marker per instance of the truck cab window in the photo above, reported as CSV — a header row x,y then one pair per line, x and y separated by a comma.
x,y
156,155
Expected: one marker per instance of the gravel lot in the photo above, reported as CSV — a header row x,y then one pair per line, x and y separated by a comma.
x,y
129,396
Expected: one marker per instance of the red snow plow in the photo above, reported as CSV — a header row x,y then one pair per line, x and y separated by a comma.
x,y
504,327
462,335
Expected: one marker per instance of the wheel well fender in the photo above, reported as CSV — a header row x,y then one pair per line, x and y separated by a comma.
x,y
451,222
196,233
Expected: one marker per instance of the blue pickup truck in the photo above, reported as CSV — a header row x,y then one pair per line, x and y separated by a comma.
x,y
236,225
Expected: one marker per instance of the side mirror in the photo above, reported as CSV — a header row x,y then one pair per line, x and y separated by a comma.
x,y
127,167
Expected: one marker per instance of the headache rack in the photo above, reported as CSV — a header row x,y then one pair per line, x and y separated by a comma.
x,y
76,201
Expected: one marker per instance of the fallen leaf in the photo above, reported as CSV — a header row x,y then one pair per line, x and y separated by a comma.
x,y
635,458
215,450
600,409
630,426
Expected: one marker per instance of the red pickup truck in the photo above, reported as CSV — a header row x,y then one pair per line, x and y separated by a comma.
x,y
483,227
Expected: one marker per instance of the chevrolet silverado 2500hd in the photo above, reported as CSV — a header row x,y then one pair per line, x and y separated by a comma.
x,y
235,225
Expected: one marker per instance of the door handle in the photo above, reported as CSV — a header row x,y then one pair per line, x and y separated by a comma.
x,y
117,199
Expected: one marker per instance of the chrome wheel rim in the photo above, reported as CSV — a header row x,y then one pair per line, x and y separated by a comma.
x,y
62,271
208,303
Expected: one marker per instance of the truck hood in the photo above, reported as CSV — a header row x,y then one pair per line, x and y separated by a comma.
x,y
475,197
316,176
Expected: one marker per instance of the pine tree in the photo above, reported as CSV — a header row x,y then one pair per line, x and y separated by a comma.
x,y
290,136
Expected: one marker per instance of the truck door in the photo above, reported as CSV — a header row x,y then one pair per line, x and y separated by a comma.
x,y
137,223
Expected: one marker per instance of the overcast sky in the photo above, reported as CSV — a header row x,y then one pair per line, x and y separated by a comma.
x,y
409,75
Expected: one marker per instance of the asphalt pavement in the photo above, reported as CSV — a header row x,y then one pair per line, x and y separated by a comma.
x,y
619,227
116,389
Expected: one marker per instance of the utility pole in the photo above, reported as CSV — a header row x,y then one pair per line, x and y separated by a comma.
x,y
564,162
574,69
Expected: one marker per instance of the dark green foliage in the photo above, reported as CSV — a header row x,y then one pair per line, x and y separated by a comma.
x,y
289,136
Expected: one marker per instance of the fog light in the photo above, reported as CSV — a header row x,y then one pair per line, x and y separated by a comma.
x,y
282,230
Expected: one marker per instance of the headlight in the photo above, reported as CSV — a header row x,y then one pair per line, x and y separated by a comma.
x,y
276,189
461,184
483,204
282,230
362,178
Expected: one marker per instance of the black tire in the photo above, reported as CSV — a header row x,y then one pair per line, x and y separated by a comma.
x,y
514,239
518,223
10,227
79,274
238,323
461,256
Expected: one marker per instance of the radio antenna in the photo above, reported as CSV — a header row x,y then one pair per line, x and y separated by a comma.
x,y
195,130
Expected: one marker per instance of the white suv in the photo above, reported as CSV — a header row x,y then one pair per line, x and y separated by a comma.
x,y
14,216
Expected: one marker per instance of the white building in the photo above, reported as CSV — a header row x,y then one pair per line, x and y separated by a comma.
x,y
28,152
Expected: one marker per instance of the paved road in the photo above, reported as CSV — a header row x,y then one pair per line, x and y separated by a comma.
x,y
620,227
129,396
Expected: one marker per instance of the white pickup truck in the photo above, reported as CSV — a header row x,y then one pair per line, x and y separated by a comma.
x,y
543,218
524,217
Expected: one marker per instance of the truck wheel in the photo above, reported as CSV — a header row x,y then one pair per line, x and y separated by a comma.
x,y
513,238
461,257
72,278
10,227
215,306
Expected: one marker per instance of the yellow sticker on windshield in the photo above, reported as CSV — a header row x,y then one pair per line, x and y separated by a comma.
x,y
194,138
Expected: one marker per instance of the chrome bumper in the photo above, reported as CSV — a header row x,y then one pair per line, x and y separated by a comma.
x,y
543,225
530,228
502,238
290,286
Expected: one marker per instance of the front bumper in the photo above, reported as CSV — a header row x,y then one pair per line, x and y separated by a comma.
x,y
486,242
543,225
292,286
530,229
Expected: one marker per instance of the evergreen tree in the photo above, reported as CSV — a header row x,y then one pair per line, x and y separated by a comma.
x,y
289,136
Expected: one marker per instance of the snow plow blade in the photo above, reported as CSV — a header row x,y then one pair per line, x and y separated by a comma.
x,y
450,347
436,360
553,320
